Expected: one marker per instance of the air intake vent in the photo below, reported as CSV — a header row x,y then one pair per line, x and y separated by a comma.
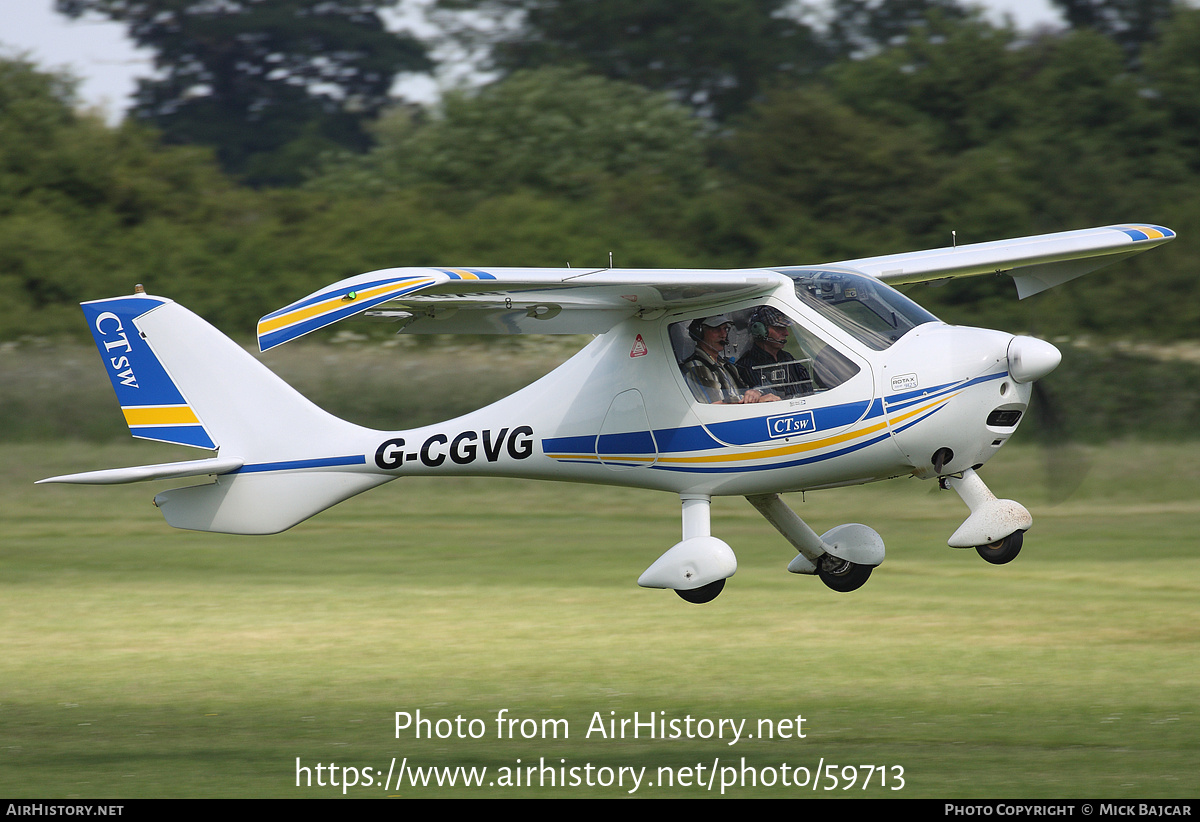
x,y
1003,418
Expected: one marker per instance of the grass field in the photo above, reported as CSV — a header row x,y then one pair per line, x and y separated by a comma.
x,y
140,661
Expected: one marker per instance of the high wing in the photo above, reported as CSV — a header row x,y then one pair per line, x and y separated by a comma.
x,y
518,300
1035,263
583,301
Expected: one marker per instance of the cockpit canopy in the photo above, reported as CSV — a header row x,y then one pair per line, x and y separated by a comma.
x,y
872,312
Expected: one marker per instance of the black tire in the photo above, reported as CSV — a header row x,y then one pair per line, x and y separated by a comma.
x,y
841,575
1003,550
703,594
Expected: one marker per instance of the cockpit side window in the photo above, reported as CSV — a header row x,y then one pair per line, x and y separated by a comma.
x,y
758,354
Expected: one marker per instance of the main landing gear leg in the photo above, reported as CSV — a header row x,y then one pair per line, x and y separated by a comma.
x,y
696,567
842,557
995,528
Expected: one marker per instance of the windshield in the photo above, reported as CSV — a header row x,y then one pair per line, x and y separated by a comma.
x,y
875,314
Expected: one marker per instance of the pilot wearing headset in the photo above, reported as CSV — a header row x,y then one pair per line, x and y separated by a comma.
x,y
767,366
710,376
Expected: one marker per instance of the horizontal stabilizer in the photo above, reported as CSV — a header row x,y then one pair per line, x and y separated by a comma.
x,y
142,473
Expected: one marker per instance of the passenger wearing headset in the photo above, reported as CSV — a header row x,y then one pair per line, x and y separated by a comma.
x,y
767,366
710,376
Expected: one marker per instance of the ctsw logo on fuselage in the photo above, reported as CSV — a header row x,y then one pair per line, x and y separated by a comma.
x,y
114,339
789,425
463,449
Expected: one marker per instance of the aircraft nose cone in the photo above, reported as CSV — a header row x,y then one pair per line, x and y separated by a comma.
x,y
1031,359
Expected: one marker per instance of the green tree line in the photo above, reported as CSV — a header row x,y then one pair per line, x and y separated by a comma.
x,y
883,133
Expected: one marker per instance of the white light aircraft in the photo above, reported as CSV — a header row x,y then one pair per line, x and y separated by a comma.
x,y
835,379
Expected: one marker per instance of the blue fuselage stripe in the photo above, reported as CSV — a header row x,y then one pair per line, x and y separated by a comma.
x,y
290,465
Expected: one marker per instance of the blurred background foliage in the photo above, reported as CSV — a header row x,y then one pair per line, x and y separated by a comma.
x,y
268,156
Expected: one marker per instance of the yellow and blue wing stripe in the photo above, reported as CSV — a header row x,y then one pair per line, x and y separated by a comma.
x,y
1146,232
347,299
327,307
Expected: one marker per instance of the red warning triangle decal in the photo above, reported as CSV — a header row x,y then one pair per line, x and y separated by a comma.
x,y
639,347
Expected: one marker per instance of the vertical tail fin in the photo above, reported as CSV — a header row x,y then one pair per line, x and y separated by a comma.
x,y
180,380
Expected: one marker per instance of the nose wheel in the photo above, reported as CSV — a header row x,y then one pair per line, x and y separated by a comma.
x,y
703,594
1002,550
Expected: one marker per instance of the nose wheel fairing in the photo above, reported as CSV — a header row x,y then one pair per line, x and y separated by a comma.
x,y
991,520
